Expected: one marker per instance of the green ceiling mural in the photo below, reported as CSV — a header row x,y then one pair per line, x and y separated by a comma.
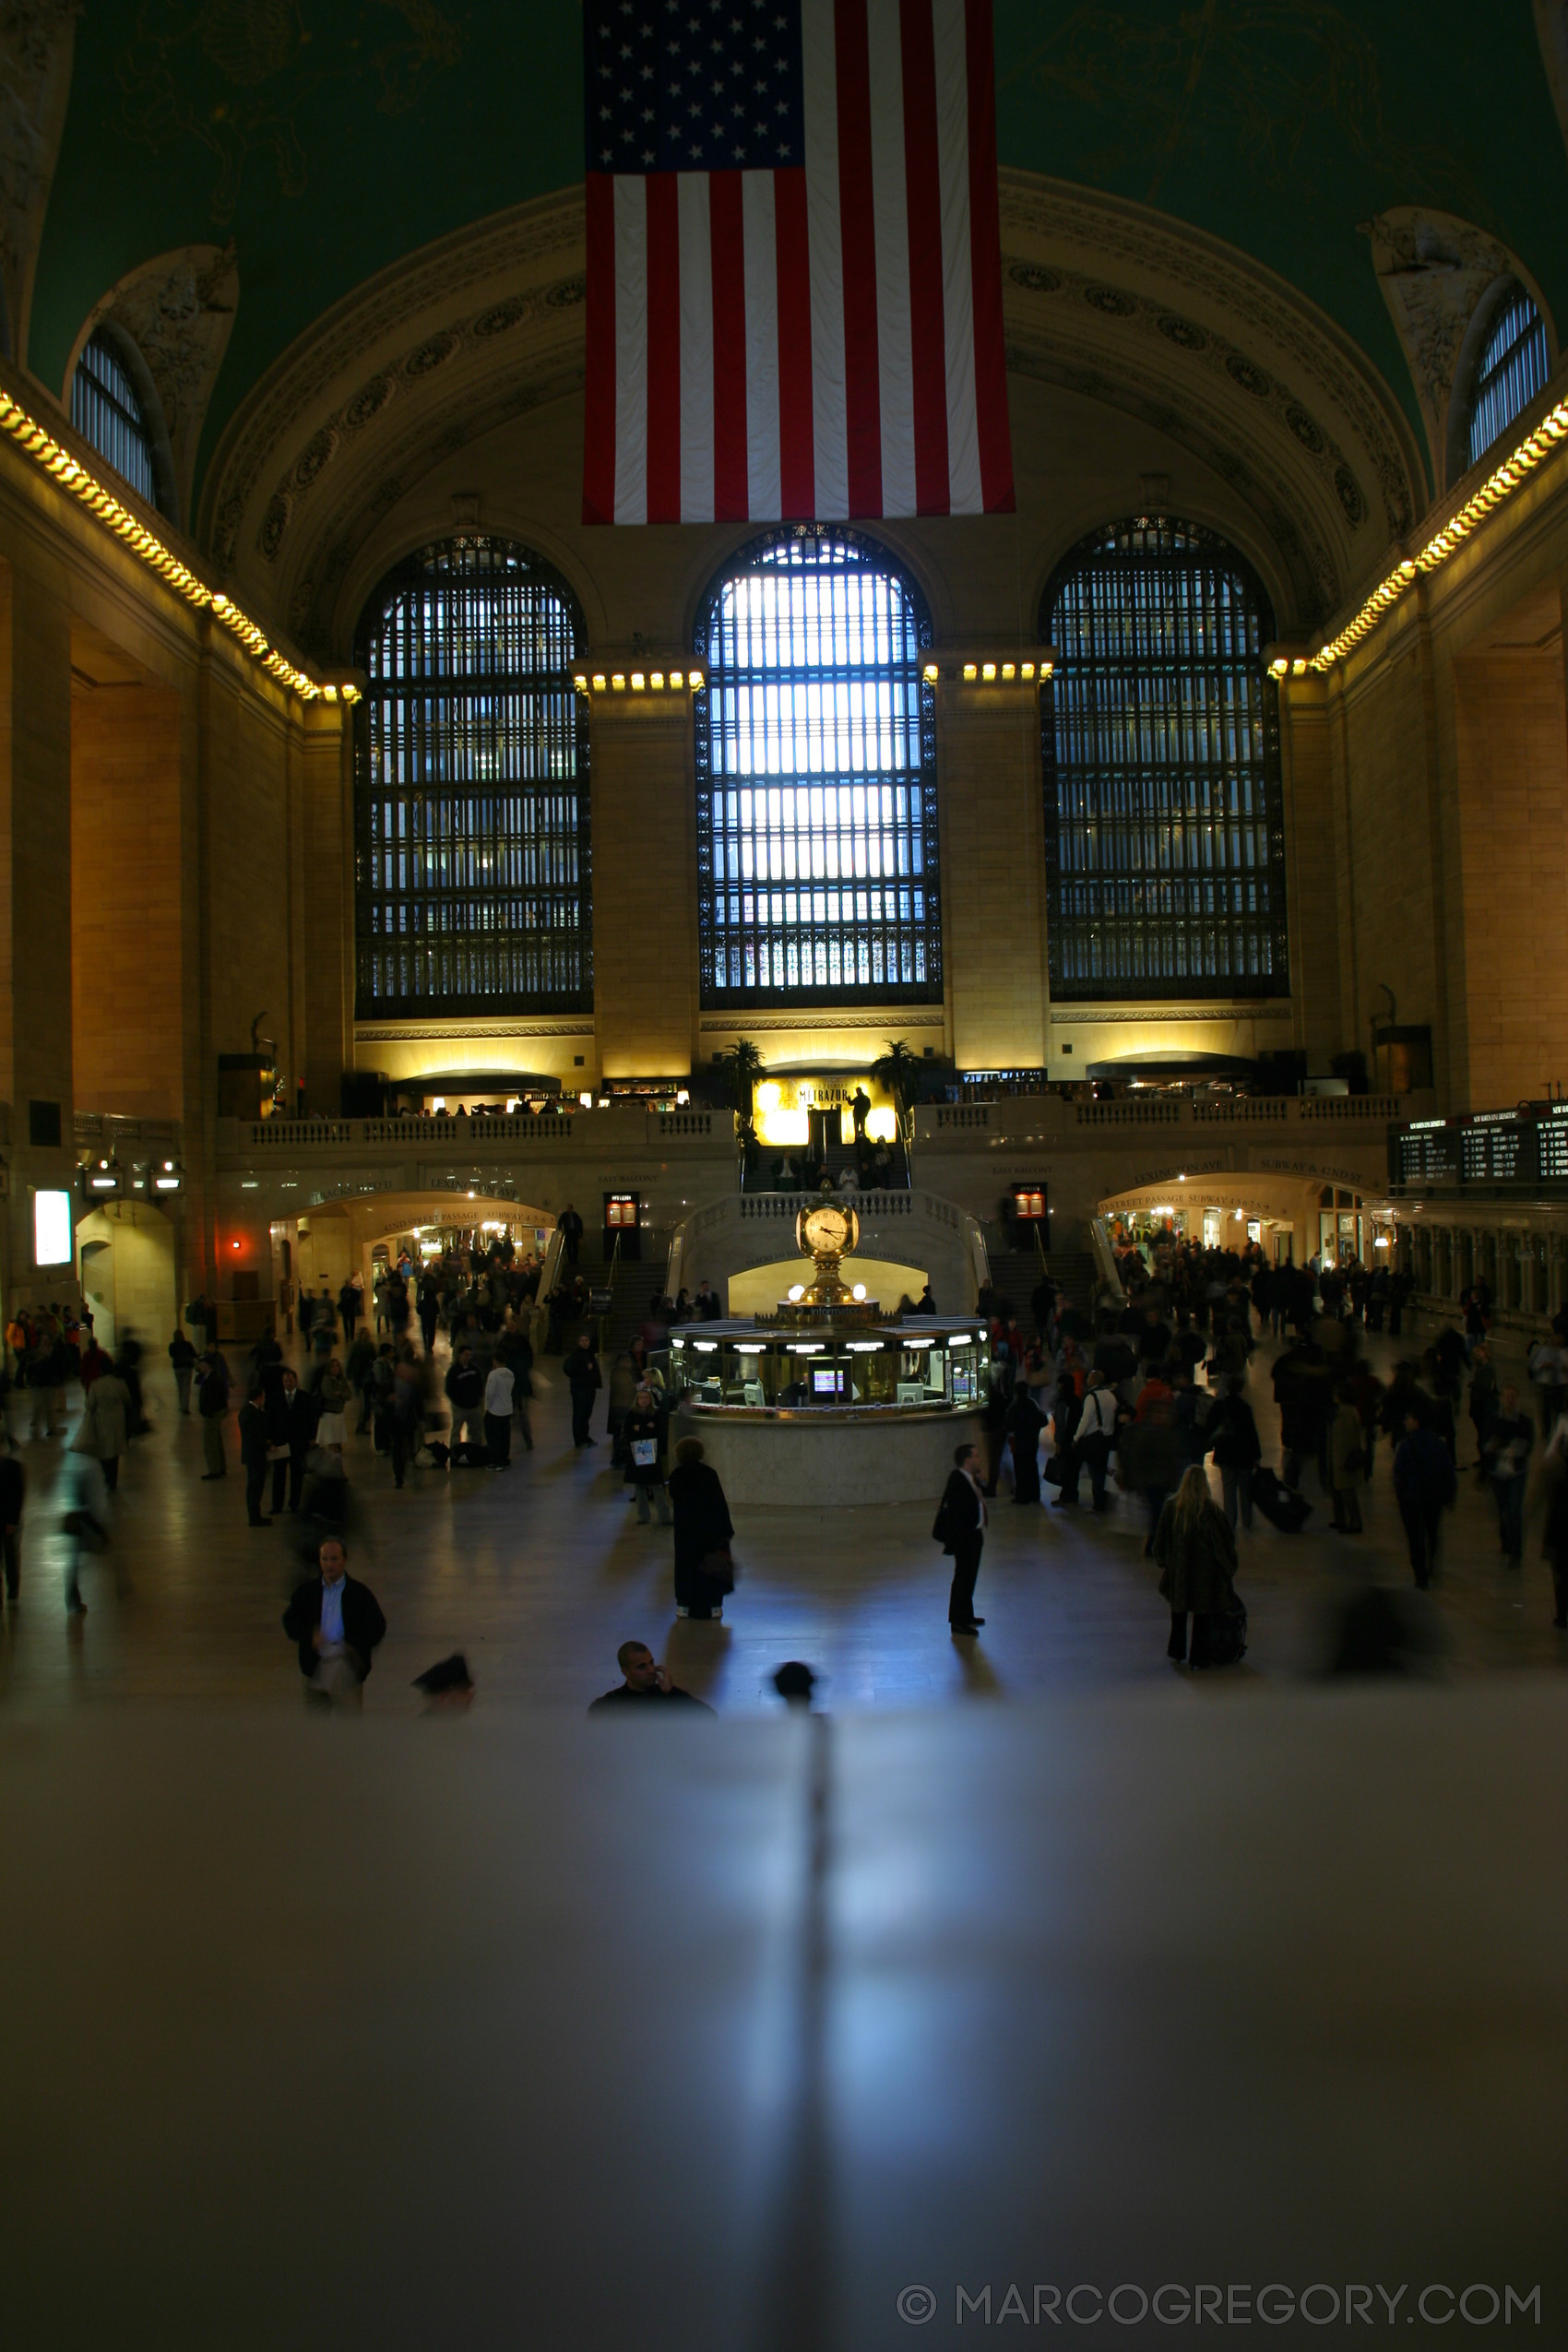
x,y
328,138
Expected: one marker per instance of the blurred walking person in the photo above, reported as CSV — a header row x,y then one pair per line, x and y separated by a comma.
x,y
105,1429
704,1570
1196,1552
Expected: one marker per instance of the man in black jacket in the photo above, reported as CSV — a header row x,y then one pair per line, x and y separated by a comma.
x,y
212,1403
291,1421
646,1681
570,1226
960,1529
336,1625
254,1440
585,1380
465,1391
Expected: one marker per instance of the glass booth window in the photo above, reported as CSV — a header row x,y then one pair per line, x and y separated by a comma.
x,y
1514,365
816,779
1165,848
473,801
106,409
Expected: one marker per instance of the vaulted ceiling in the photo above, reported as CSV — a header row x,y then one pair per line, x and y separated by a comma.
x,y
328,138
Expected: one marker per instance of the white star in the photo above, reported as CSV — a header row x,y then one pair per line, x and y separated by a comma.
x,y
762,87
607,154
648,73
739,153
605,114
696,107
784,149
647,113
782,107
625,49
718,89
674,47
647,155
737,109
759,42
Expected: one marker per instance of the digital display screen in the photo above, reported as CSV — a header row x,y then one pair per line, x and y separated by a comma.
x,y
1551,1147
828,1379
52,1228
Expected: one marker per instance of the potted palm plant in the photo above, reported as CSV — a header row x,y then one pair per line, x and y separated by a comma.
x,y
898,1073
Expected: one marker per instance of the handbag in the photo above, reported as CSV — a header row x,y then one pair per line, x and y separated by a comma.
x,y
277,1453
719,1567
645,1452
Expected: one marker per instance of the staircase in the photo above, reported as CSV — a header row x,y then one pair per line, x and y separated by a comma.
x,y
1015,1273
1074,1271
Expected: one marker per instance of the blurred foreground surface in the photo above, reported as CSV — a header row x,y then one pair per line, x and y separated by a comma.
x,y
491,2031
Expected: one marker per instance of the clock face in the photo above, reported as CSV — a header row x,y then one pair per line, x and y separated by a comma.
x,y
827,1228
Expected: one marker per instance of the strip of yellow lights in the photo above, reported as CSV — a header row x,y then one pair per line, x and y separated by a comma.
x,y
72,475
1499,484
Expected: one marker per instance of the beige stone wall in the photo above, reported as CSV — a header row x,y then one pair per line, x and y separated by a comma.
x,y
1513,785
128,964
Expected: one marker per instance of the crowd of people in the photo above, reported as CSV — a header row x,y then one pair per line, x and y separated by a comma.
x,y
1143,1396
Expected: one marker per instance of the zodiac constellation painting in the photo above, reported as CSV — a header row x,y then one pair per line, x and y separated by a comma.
x,y
1287,90
237,77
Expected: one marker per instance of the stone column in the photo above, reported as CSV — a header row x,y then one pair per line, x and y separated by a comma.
x,y
993,911
644,878
35,902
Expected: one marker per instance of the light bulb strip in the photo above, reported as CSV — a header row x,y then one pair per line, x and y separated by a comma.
x,y
72,475
1501,483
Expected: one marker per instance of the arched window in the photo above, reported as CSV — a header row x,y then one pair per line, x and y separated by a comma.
x,y
1164,846
108,410
472,818
1515,364
816,779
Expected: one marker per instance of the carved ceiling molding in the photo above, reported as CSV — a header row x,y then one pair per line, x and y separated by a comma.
x,y
1316,563
37,41
328,538
1112,300
1308,358
442,1032
179,312
1434,272
351,348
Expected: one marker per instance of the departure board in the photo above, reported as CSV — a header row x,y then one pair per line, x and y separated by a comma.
x,y
1513,1149
1551,1148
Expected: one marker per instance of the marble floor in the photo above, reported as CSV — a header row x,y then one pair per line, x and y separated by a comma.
x,y
538,1574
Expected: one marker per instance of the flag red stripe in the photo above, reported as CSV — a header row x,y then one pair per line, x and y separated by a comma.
x,y
663,348
985,268
729,499
862,390
922,191
599,397
797,440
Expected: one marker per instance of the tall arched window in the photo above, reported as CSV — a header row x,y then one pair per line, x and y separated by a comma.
x,y
816,779
108,410
1164,846
1515,364
473,884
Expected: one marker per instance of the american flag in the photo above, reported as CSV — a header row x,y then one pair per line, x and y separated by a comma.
x,y
794,273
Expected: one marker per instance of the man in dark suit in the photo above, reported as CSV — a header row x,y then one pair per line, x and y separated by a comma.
x,y
254,1440
291,1421
960,1529
335,1623
570,1226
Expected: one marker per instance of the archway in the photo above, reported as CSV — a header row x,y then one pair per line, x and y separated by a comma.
x,y
126,1258
1298,1216
332,1238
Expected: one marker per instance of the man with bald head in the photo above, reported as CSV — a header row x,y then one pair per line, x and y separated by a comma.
x,y
646,1684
